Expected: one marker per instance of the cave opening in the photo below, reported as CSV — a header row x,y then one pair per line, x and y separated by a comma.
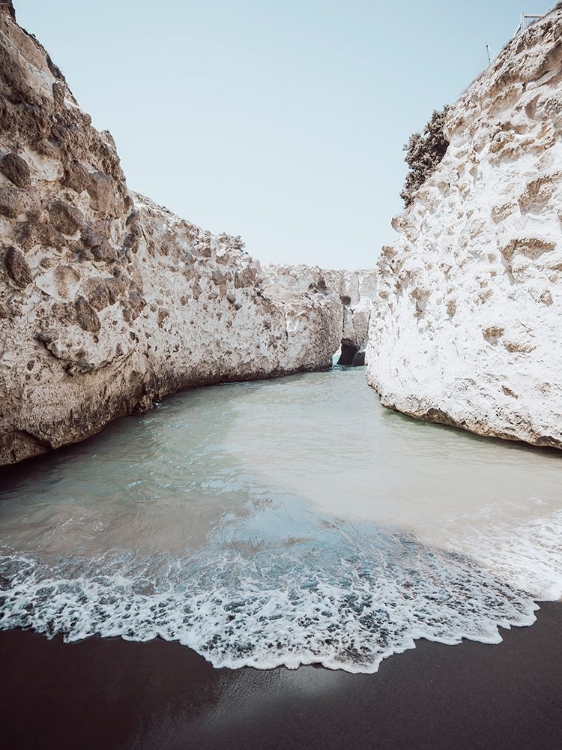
x,y
351,356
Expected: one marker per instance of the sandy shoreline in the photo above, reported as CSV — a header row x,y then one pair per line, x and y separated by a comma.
x,y
116,694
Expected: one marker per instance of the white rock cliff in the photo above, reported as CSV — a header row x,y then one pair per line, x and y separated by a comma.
x,y
467,324
108,301
352,291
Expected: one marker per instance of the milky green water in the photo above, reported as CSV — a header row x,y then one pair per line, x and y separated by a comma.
x,y
281,522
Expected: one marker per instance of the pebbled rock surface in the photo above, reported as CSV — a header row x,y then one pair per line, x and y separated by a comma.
x,y
108,301
352,292
467,324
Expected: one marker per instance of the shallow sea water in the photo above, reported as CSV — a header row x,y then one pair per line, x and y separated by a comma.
x,y
290,521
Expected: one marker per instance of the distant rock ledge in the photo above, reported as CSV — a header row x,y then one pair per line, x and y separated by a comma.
x,y
352,292
467,324
108,301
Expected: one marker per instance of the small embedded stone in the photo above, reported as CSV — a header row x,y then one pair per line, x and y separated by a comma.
x,y
99,294
16,170
162,315
58,94
196,291
31,233
100,187
136,303
77,177
14,202
17,267
91,237
131,241
86,316
245,277
98,245
47,336
67,219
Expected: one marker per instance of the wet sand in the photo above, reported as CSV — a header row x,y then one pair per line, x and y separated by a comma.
x,y
110,693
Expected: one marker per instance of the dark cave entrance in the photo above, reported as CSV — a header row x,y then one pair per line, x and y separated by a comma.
x,y
351,356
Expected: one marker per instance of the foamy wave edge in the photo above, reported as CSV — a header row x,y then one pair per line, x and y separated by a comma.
x,y
348,612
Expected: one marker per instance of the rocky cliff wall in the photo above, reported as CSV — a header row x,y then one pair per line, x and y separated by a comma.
x,y
108,301
351,291
467,324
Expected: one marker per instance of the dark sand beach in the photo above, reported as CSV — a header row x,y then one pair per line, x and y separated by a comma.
x,y
117,694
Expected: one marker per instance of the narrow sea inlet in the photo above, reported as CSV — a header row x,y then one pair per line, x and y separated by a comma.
x,y
291,521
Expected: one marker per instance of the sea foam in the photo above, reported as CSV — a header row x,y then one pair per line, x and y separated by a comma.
x,y
346,601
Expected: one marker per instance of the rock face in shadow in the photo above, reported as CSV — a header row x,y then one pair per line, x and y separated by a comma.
x,y
467,325
351,291
108,301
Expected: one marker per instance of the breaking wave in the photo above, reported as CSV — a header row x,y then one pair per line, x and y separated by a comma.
x,y
346,602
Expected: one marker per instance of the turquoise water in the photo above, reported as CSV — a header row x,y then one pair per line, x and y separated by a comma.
x,y
281,522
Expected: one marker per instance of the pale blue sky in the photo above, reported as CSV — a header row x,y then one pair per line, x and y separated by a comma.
x,y
280,121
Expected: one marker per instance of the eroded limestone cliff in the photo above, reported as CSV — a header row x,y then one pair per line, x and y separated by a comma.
x,y
467,324
108,301
352,292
